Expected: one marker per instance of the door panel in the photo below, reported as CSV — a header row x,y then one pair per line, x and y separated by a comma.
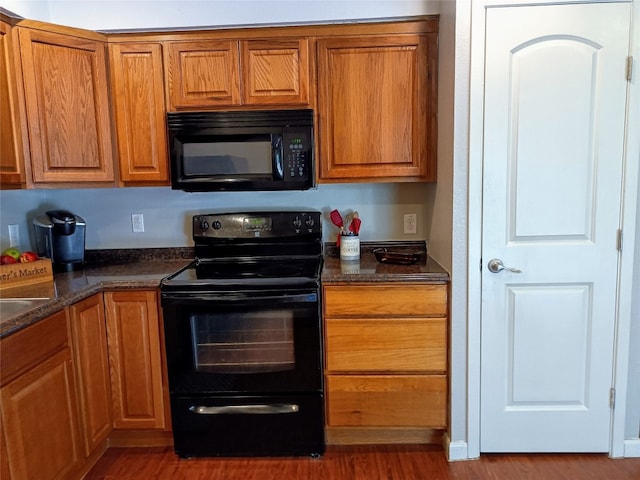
x,y
555,99
557,318
552,151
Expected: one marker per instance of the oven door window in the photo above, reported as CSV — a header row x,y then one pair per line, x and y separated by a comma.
x,y
243,342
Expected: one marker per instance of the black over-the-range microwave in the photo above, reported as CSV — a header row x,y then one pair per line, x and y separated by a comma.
x,y
241,150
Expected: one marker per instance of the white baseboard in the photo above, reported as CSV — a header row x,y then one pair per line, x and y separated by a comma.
x,y
632,448
455,451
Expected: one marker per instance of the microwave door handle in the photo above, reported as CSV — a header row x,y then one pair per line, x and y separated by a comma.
x,y
276,154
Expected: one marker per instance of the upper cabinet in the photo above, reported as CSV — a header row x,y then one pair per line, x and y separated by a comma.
x,y
89,109
137,83
230,73
12,141
275,72
67,106
377,105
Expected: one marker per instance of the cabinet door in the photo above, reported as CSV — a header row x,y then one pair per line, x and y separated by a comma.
x,y
203,74
12,147
89,334
138,97
69,125
377,103
133,333
39,419
275,72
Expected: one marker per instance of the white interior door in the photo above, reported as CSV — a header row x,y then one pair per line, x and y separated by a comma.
x,y
555,93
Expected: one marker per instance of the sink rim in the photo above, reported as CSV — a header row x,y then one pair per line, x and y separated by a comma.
x,y
13,307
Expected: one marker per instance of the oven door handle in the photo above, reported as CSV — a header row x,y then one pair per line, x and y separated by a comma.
x,y
246,409
196,298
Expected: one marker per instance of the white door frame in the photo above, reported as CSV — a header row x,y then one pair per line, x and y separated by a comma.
x,y
474,239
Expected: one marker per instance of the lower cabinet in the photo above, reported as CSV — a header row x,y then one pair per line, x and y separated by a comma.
x,y
85,377
91,359
39,403
135,359
385,362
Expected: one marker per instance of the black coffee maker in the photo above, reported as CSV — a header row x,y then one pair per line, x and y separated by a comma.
x,y
60,236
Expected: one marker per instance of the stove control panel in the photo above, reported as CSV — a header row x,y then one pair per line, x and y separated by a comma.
x,y
256,225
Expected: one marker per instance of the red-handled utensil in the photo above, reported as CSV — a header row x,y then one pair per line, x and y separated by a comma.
x,y
354,226
336,219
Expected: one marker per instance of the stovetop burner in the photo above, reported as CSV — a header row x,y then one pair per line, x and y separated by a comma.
x,y
260,269
251,249
266,272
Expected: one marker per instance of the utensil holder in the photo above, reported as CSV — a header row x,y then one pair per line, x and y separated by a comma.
x,y
349,247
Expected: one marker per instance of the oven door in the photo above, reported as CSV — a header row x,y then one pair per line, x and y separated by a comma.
x,y
243,342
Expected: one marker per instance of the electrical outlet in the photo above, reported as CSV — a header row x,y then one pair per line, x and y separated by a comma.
x,y
14,235
137,222
410,223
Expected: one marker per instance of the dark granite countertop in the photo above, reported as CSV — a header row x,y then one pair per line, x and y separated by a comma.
x,y
145,268
369,269
105,270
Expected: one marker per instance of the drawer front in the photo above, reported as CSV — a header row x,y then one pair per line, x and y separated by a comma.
x,y
385,401
385,300
26,348
386,345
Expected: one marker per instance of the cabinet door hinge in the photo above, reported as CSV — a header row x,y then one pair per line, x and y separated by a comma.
x,y
629,67
619,240
612,397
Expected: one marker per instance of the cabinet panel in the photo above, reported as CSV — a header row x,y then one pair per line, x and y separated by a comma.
x,y
385,300
138,98
203,74
12,144
386,400
385,360
377,100
135,359
39,419
26,348
275,72
389,345
65,84
92,370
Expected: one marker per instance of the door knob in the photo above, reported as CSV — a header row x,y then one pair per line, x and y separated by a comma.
x,y
496,266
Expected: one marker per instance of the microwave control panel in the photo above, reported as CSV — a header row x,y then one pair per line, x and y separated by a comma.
x,y
297,154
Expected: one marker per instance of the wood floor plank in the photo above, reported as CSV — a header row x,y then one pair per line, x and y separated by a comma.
x,y
389,462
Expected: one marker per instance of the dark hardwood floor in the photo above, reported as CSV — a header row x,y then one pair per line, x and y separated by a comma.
x,y
395,462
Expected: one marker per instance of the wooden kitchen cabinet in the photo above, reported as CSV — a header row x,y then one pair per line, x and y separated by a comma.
x,y
39,403
67,105
133,333
385,361
137,82
89,334
377,104
13,144
212,73
275,72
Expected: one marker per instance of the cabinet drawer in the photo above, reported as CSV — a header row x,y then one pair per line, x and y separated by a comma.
x,y
385,300
393,400
28,347
386,345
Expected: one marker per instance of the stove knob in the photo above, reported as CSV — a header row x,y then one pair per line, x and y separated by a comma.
x,y
204,225
217,225
309,222
297,222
